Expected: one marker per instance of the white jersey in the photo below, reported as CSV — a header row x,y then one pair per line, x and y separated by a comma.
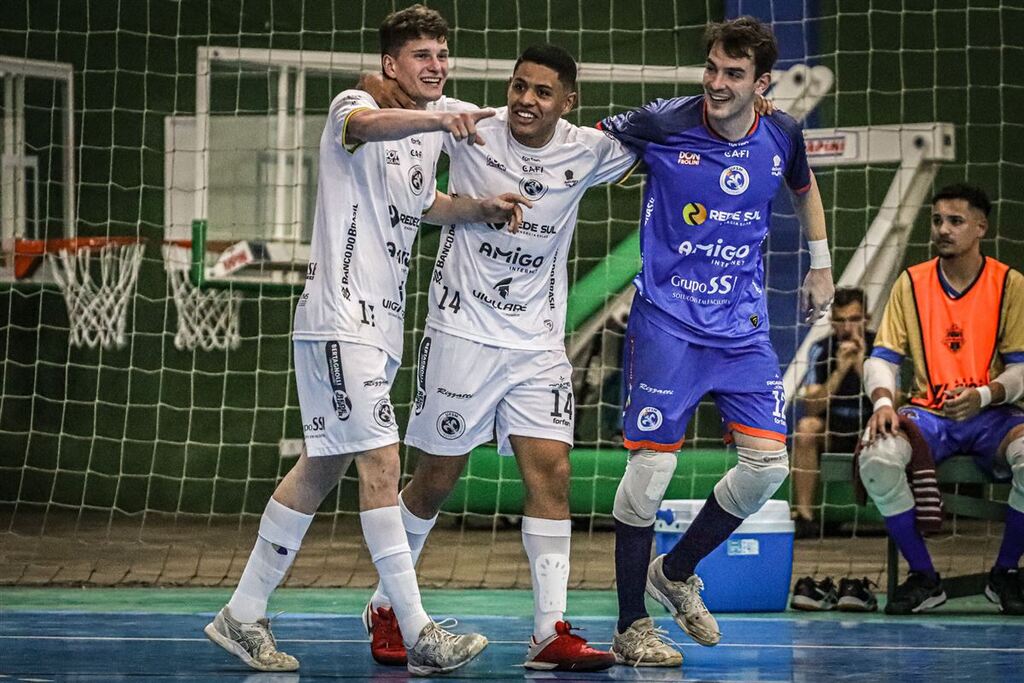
x,y
508,289
369,202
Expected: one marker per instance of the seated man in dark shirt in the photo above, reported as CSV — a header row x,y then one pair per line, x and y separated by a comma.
x,y
835,407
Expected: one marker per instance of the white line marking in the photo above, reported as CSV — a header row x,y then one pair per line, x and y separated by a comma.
x,y
349,641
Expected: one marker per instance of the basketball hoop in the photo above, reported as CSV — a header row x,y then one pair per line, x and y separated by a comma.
x,y
207,318
97,276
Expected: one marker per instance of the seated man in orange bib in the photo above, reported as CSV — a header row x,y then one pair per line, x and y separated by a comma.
x,y
960,318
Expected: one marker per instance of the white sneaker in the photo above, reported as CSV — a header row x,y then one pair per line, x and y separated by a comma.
x,y
644,645
253,643
438,651
682,600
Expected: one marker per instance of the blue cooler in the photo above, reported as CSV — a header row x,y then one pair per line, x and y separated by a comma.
x,y
752,570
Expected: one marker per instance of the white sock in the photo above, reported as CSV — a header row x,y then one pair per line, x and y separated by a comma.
x,y
280,536
416,531
547,547
389,550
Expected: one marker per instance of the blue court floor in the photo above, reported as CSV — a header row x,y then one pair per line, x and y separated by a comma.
x,y
54,645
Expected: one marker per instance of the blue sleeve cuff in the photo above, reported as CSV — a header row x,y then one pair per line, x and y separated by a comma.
x,y
887,355
1015,357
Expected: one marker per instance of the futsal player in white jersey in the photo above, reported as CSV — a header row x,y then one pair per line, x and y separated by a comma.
x,y
492,357
376,181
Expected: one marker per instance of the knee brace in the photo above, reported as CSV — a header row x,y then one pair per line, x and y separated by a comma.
x,y
756,476
643,486
883,467
1015,459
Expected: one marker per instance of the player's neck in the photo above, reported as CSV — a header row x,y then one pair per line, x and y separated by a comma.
x,y
735,127
960,271
534,141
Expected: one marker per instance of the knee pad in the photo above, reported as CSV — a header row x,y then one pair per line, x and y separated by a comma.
x,y
756,476
883,467
643,486
1015,459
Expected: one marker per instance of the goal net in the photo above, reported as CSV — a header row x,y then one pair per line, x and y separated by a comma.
x,y
195,130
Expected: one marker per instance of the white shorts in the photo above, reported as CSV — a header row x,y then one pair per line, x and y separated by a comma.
x,y
343,396
465,390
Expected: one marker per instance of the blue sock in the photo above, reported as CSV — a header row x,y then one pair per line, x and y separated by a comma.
x,y
1013,540
632,555
903,530
710,527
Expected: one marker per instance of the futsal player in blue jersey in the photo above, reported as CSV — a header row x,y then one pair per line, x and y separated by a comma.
x,y
699,322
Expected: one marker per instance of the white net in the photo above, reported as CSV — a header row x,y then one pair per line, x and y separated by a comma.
x,y
157,459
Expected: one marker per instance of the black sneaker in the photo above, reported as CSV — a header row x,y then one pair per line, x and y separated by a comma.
x,y
813,596
855,595
917,594
1005,589
805,528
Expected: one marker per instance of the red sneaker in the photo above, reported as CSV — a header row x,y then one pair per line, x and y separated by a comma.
x,y
385,637
565,651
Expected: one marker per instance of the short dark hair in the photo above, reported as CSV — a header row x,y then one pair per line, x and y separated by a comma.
x,y
555,58
972,194
416,21
845,296
744,37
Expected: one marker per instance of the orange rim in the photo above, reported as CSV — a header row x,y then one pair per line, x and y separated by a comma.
x,y
29,253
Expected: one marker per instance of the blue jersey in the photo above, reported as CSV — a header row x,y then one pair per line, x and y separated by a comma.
x,y
706,208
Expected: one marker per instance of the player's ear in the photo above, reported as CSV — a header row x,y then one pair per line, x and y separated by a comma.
x,y
387,65
570,102
762,83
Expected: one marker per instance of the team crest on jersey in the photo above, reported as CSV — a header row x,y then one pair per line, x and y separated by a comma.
x,y
695,213
776,166
570,181
391,157
416,180
532,188
954,339
450,425
734,180
649,419
502,286
384,412
755,320
689,159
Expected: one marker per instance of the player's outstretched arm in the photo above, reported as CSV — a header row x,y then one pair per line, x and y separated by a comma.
x,y
505,208
375,125
818,288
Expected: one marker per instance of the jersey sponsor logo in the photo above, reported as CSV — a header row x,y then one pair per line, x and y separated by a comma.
x,y
719,253
502,287
450,425
533,169
336,376
384,413
530,160
391,157
421,375
655,390
570,181
532,229
694,213
416,153
688,159
376,382
350,248
447,393
776,166
400,255
317,424
532,188
393,306
516,258
734,180
755,320
954,339
494,163
719,284
311,270
416,180
405,220
734,217
444,252
303,300
649,419
738,154
649,210
505,306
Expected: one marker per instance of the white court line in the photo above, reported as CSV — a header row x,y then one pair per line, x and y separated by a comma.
x,y
349,641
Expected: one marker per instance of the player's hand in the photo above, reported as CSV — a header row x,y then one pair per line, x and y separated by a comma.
x,y
505,208
463,126
848,353
817,293
962,403
385,91
763,106
884,423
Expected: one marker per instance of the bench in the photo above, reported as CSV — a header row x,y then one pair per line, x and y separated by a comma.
x,y
959,469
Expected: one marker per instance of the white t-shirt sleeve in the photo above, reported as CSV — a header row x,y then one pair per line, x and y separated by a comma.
x,y
614,160
344,105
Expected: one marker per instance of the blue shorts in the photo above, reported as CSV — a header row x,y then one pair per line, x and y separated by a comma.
x,y
665,378
979,436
